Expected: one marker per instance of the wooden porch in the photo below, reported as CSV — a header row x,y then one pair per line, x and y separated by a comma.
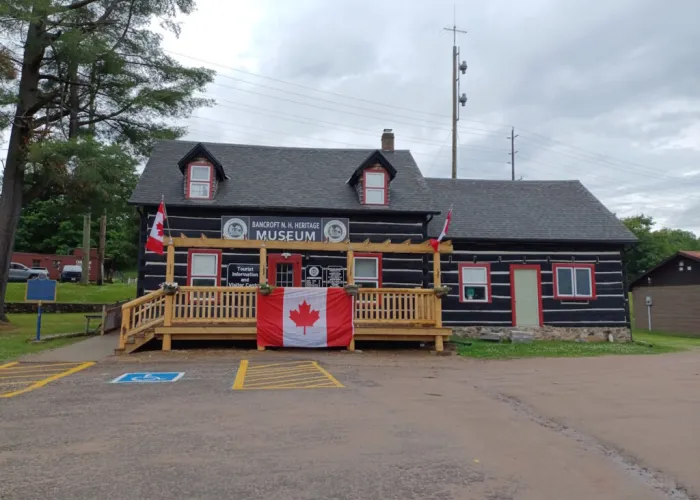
x,y
230,313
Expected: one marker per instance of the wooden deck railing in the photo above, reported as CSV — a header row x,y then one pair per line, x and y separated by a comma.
x,y
236,305
196,304
389,306
141,314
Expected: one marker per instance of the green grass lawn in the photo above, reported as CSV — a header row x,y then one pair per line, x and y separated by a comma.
x,y
14,340
678,341
555,349
76,293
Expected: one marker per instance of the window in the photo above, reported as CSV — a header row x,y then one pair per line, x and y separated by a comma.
x,y
204,268
574,281
475,282
368,270
36,262
199,181
375,188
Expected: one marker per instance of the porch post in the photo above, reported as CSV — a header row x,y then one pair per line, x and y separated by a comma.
x,y
436,283
169,277
263,265
263,280
438,302
350,275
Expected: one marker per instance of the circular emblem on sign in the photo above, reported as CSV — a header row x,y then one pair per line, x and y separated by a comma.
x,y
313,271
235,229
335,231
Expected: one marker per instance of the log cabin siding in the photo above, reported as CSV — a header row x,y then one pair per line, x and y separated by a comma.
x,y
398,270
608,309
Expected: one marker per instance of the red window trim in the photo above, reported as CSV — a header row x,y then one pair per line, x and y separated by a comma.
x,y
209,251
211,179
484,265
377,256
515,267
277,258
573,265
386,186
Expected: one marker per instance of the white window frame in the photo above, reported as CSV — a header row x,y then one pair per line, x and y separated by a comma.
x,y
216,277
375,280
375,189
572,272
198,182
464,284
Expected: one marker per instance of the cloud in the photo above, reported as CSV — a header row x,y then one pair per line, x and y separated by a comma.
x,y
606,92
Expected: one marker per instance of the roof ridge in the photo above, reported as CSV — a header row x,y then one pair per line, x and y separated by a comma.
x,y
570,181
262,146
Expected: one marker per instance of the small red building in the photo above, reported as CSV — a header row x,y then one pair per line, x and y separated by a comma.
x,y
55,263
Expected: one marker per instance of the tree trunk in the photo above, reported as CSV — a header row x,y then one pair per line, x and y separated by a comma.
x,y
73,101
20,135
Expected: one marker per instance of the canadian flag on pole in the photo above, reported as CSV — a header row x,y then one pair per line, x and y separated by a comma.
x,y
435,243
154,243
305,317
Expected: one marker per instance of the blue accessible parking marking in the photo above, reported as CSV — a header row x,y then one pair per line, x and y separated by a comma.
x,y
148,377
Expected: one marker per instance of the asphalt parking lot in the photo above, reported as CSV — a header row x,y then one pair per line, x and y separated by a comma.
x,y
391,426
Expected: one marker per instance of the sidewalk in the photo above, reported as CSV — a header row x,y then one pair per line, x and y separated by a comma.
x,y
92,349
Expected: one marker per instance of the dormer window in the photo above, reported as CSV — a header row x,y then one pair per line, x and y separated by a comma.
x,y
200,179
375,188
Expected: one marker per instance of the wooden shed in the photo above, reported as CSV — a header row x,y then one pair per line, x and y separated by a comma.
x,y
673,290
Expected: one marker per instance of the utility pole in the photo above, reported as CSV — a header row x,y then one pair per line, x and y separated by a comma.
x,y
455,91
512,137
101,250
85,277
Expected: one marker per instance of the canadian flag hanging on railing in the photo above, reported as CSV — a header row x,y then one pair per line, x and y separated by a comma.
x,y
435,243
154,243
305,317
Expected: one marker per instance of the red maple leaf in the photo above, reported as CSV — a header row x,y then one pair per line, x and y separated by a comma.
x,y
159,228
305,316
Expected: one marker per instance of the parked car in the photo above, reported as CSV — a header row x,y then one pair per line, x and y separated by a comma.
x,y
20,272
71,273
40,272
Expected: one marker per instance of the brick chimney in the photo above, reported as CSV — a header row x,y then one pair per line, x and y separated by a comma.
x,y
388,140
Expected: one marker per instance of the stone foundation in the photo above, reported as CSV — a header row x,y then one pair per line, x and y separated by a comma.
x,y
580,334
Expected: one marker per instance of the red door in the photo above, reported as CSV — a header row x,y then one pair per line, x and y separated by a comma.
x,y
284,270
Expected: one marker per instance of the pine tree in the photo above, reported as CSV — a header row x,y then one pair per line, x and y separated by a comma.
x,y
93,88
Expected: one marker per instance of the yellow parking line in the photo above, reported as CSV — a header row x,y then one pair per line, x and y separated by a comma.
x,y
28,373
33,365
240,375
276,374
286,363
323,370
283,375
281,383
45,381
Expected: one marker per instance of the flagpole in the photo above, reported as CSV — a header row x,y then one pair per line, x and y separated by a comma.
x,y
167,220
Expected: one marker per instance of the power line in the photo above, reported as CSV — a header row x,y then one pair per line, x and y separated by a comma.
x,y
304,86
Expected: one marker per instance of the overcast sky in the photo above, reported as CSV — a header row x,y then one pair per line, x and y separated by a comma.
x,y
605,92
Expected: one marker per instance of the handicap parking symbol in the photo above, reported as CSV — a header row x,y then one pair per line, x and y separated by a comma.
x,y
148,377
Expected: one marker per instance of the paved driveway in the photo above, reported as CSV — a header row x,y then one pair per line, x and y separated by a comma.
x,y
404,426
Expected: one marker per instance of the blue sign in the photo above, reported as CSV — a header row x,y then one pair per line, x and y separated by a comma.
x,y
148,377
41,290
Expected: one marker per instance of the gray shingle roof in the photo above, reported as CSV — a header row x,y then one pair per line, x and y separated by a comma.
x,y
270,177
524,210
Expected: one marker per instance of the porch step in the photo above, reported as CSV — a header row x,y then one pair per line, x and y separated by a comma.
x,y
136,341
